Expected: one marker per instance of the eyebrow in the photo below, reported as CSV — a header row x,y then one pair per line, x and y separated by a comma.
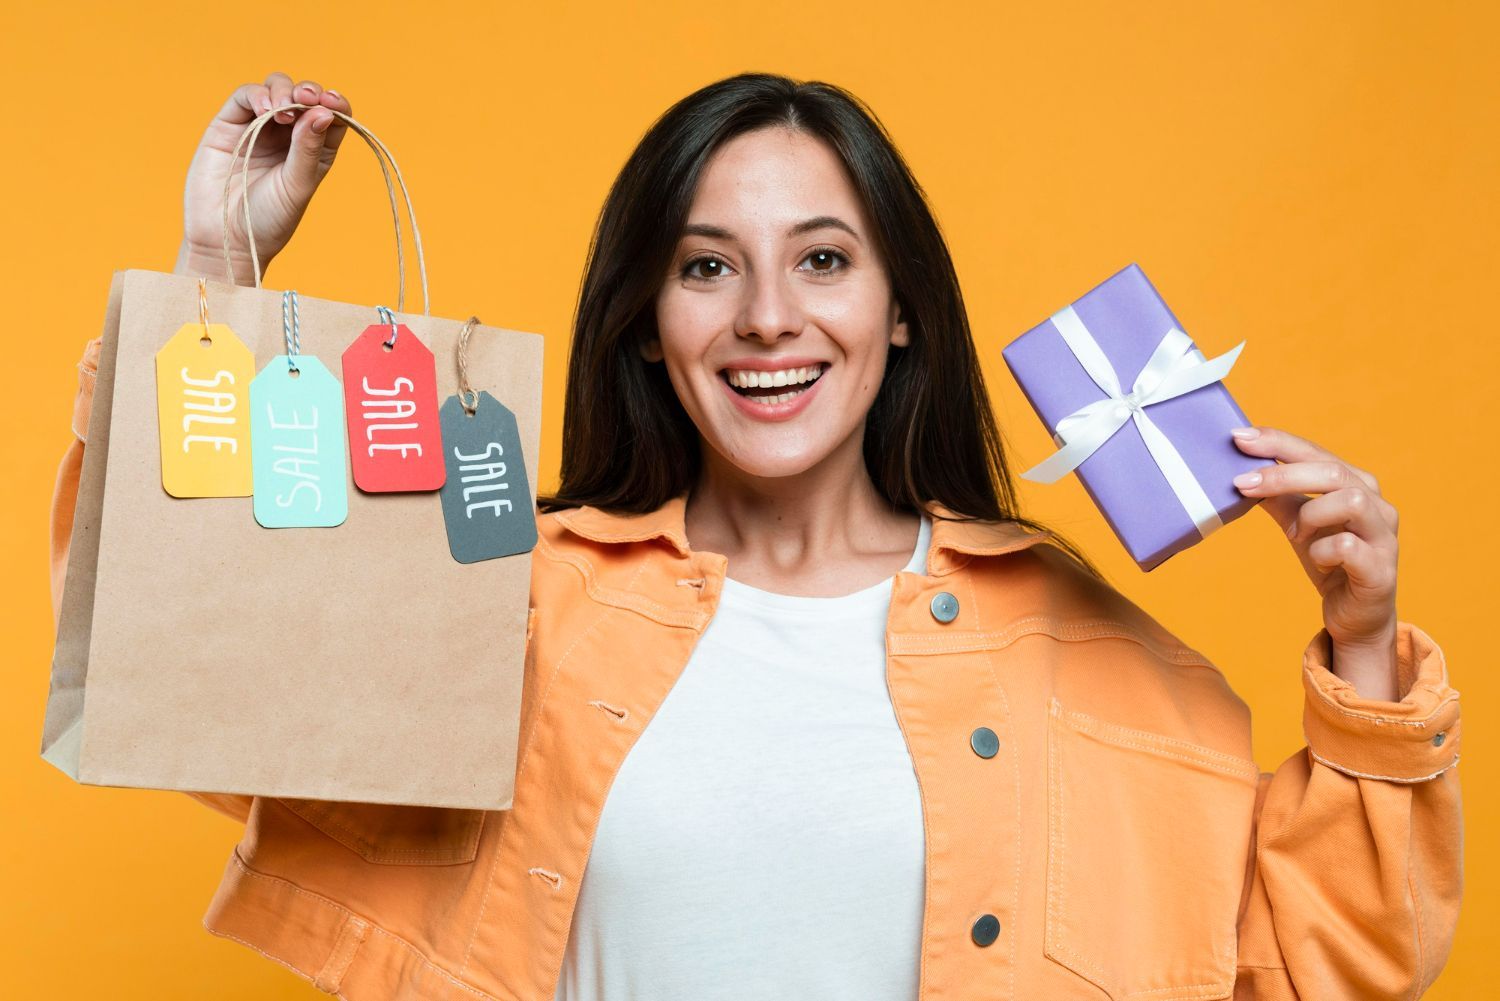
x,y
797,229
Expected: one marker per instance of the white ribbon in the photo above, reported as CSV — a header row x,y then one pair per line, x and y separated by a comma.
x,y
1176,367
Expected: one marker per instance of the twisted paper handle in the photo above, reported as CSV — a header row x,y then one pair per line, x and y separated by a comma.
x,y
382,155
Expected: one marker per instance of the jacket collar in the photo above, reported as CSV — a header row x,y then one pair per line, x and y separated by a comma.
x,y
974,538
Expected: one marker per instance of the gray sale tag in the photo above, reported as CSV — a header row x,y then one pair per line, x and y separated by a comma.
x,y
486,498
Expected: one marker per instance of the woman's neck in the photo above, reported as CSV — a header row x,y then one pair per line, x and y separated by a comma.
x,y
826,531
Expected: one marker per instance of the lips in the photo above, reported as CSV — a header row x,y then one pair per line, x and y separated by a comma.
x,y
750,401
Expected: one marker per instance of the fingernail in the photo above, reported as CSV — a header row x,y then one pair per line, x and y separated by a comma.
x,y
335,93
1291,532
1247,479
1245,434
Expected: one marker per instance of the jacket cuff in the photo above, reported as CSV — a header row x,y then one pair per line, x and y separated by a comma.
x,y
83,403
1412,740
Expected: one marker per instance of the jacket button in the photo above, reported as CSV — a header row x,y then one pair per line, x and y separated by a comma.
x,y
986,930
984,741
944,607
1438,740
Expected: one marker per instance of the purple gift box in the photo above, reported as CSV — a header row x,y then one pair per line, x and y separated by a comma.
x,y
1159,457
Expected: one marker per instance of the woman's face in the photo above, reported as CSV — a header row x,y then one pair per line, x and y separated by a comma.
x,y
776,279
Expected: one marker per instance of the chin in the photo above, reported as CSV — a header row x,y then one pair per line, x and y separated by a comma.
x,y
773,467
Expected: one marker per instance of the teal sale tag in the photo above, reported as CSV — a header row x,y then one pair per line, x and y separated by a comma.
x,y
299,459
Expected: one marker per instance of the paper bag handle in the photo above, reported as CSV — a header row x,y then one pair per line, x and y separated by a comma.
x,y
247,143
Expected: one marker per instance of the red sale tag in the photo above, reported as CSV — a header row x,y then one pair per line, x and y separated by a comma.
x,y
390,400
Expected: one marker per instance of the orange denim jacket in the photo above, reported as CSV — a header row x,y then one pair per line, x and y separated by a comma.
x,y
1121,835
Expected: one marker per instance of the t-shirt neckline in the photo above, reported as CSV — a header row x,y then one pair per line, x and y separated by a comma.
x,y
853,603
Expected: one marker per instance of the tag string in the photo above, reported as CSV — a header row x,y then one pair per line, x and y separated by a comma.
x,y
203,307
464,390
386,316
291,328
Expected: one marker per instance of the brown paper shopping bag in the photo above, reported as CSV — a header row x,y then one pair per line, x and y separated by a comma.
x,y
199,651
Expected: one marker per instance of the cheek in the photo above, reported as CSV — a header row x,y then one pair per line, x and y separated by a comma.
x,y
684,333
687,318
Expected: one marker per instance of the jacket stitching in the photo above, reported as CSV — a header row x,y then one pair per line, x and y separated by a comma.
x,y
551,988
326,902
346,945
1158,743
1381,718
1015,768
370,849
619,597
85,372
1059,845
520,768
567,520
1078,630
1383,778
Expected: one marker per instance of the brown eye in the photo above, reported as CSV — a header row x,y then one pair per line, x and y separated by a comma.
x,y
714,268
824,260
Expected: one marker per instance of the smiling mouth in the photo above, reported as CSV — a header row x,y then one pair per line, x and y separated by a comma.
x,y
798,383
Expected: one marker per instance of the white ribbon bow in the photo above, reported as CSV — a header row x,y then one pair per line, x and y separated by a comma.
x,y
1176,367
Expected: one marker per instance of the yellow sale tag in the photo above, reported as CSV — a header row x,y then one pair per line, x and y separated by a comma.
x,y
203,406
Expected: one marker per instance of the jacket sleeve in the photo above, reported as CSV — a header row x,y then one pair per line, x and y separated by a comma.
x,y
64,500
1356,871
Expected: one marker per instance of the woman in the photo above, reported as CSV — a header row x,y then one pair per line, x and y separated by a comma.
x,y
810,710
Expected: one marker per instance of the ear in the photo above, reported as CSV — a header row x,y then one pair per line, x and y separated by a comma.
x,y
900,333
651,348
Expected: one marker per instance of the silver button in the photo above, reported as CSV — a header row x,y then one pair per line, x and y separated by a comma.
x,y
944,607
1438,740
985,930
985,742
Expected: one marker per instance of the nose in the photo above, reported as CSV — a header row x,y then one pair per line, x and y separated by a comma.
x,y
770,308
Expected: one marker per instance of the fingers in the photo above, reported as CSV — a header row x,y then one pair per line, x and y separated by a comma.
x,y
251,100
315,136
280,86
245,104
1277,444
335,101
308,159
1353,509
1365,564
1321,476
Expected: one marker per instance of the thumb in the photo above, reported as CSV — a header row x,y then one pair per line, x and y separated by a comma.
x,y
308,157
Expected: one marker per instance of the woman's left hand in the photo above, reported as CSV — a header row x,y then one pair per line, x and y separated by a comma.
x,y
1346,540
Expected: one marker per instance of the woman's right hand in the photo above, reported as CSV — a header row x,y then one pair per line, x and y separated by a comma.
x,y
293,153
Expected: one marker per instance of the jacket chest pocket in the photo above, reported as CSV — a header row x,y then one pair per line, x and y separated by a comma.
x,y
1147,841
390,834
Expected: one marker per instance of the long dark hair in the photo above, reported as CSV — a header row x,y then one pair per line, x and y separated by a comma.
x,y
627,443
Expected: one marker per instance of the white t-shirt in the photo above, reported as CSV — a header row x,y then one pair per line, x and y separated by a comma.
x,y
763,838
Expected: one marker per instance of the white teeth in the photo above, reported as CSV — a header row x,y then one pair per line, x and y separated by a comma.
x,y
769,401
751,379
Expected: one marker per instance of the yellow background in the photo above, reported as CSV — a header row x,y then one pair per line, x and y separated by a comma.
x,y
1317,179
